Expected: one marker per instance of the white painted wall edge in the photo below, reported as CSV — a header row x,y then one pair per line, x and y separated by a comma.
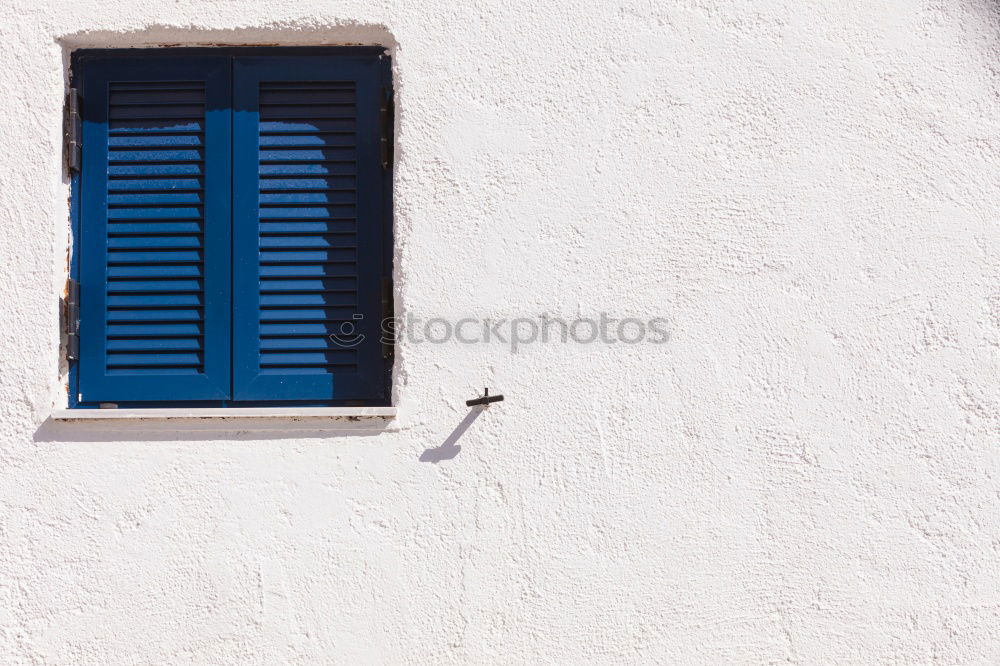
x,y
227,413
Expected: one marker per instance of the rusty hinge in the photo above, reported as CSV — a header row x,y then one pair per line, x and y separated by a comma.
x,y
73,129
71,319
386,120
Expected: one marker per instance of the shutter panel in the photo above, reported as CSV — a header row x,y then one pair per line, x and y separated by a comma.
x,y
308,228
156,242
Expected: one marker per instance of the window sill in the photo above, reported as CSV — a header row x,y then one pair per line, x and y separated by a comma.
x,y
349,413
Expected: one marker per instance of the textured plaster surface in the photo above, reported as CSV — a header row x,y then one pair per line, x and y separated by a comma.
x,y
808,471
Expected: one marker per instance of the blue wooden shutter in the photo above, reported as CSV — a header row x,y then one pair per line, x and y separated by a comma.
x,y
155,218
308,228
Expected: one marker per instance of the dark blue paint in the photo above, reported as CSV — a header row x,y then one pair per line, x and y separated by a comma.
x,y
112,242
291,102
231,239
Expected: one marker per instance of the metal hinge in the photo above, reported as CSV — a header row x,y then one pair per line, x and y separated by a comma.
x,y
386,120
73,129
388,323
71,319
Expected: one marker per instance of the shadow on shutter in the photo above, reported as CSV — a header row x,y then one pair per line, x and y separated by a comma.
x,y
308,229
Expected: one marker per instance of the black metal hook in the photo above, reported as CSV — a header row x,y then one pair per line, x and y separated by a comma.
x,y
485,400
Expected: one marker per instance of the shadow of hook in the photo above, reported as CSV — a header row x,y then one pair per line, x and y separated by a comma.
x,y
449,449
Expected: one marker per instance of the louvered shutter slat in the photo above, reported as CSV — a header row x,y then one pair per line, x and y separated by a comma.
x,y
308,229
155,266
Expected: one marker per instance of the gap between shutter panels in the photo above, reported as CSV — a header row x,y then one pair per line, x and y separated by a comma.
x,y
155,271
307,210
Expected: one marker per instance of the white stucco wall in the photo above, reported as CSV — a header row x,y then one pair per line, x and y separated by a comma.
x,y
807,471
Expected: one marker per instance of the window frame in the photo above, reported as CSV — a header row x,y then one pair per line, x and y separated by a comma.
x,y
77,61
